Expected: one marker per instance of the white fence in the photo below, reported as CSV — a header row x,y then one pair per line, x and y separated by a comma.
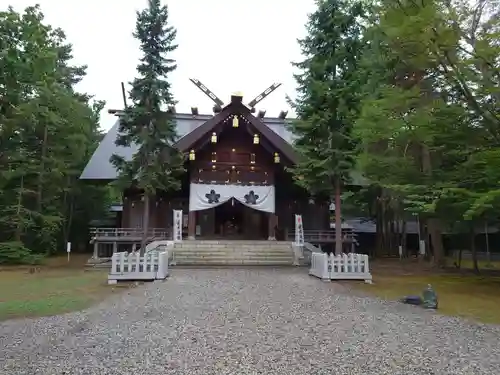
x,y
340,267
134,266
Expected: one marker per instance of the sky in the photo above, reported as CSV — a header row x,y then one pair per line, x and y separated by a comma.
x,y
258,39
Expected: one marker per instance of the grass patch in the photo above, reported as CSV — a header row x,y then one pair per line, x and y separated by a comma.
x,y
467,264
54,288
467,296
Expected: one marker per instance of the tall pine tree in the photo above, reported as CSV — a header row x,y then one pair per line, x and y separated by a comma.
x,y
43,204
327,99
157,163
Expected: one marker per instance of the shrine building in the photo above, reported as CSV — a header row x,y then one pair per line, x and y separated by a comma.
x,y
236,186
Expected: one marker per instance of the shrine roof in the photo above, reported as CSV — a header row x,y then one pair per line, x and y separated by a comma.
x,y
99,166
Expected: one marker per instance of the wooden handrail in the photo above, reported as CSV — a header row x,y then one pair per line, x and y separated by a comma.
x,y
324,235
127,232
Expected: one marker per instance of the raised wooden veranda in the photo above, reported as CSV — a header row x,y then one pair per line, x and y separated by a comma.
x,y
108,241
323,236
125,234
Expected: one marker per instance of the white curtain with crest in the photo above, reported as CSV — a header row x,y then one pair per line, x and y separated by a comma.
x,y
204,196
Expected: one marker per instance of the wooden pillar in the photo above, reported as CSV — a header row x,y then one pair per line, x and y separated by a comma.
x,y
191,225
96,246
126,213
115,247
272,221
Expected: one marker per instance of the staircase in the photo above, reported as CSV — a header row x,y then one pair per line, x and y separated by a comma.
x,y
234,253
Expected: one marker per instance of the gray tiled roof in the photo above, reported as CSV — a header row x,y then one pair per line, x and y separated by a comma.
x,y
100,168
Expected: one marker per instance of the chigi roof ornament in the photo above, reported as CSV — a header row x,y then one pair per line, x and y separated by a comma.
x,y
236,96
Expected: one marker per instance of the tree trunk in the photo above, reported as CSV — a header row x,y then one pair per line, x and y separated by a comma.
x,y
380,227
66,209
436,241
487,241
19,227
42,170
433,224
403,238
387,229
338,219
69,221
473,249
145,223
393,244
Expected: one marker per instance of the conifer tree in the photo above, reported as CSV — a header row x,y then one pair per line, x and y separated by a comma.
x,y
327,99
48,131
157,163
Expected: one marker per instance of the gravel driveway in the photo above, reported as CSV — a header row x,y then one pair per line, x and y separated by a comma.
x,y
248,321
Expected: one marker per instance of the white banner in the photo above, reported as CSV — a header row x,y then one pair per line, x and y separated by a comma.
x,y
203,196
299,231
177,227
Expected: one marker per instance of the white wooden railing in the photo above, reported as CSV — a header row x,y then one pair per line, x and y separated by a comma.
x,y
111,233
134,266
161,246
340,267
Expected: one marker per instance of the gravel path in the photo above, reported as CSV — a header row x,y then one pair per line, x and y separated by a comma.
x,y
255,321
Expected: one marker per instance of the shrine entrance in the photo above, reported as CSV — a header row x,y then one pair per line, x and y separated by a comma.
x,y
229,219
233,220
231,211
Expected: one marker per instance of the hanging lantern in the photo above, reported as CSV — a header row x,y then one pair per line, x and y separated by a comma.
x,y
214,138
214,157
192,155
252,158
276,158
236,122
256,139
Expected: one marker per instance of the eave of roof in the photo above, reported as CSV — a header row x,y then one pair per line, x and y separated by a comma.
x,y
99,166
238,108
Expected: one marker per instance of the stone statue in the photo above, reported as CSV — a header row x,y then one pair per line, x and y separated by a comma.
x,y
430,300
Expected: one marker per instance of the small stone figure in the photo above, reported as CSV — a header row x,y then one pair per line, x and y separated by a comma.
x,y
430,298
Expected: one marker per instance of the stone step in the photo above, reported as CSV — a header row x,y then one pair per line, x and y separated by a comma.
x,y
261,248
223,259
222,251
240,242
226,252
218,256
249,262
230,252
272,244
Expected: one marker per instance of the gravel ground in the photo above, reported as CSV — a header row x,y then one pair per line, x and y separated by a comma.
x,y
254,321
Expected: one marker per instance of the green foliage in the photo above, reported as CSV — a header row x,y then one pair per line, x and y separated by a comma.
x,y
156,165
48,132
327,101
15,252
428,128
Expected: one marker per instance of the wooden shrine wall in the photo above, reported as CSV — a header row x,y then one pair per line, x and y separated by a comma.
x,y
234,159
315,216
161,211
